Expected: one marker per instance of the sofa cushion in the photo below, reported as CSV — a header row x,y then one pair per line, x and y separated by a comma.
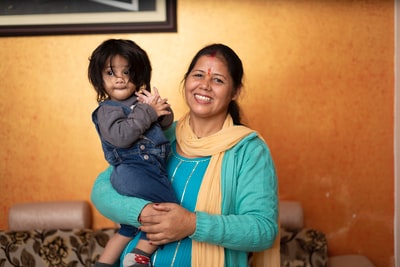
x,y
303,248
53,248
46,248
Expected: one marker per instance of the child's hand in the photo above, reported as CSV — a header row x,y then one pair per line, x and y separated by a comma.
x,y
160,105
145,96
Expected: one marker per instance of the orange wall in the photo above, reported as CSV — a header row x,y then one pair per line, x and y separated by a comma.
x,y
320,88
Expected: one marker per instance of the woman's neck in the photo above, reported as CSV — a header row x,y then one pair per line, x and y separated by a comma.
x,y
203,127
181,153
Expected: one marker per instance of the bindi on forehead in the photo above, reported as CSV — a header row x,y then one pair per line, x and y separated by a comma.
x,y
212,56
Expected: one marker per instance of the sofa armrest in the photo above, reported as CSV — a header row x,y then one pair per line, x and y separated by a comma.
x,y
349,261
50,215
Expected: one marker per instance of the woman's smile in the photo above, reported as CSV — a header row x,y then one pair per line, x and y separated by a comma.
x,y
202,98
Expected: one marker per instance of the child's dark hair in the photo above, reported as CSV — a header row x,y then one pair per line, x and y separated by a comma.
x,y
235,68
139,64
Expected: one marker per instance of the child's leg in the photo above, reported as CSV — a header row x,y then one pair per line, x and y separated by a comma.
x,y
140,255
113,250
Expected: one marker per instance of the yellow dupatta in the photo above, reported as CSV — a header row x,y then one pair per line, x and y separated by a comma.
x,y
209,197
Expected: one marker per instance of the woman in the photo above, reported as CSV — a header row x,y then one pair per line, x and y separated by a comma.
x,y
222,173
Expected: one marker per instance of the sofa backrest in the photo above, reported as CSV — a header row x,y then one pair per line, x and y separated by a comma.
x,y
50,215
78,215
291,214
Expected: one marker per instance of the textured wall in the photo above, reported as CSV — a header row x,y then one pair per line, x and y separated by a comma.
x,y
319,87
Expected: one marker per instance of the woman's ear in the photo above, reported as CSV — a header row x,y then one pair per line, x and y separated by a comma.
x,y
236,93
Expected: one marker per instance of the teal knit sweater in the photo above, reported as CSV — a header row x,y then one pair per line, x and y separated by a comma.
x,y
249,202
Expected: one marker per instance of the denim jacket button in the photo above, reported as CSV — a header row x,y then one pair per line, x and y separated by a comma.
x,y
146,157
142,147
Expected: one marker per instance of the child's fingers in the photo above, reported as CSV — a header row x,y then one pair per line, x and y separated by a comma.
x,y
146,93
155,90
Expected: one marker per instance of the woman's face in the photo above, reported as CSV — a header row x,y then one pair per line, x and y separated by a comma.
x,y
209,88
116,79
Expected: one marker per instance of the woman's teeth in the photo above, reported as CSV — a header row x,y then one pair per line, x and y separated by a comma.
x,y
202,98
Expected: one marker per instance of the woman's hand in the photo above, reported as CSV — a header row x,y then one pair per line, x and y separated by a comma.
x,y
167,222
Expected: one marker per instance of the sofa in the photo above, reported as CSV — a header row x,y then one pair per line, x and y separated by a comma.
x,y
60,234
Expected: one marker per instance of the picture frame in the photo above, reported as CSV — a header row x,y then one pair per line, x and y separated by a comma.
x,y
162,18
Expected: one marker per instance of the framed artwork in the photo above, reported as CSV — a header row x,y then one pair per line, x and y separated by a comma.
x,y
61,17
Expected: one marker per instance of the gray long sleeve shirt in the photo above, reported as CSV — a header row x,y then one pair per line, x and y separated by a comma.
x,y
121,130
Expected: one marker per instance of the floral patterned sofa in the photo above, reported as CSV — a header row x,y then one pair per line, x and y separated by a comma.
x,y
82,247
37,239
55,248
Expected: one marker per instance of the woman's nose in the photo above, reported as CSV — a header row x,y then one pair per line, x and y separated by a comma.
x,y
206,84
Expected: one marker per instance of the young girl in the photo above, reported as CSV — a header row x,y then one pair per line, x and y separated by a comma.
x,y
129,121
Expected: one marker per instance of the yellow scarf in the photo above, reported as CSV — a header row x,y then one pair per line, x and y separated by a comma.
x,y
209,198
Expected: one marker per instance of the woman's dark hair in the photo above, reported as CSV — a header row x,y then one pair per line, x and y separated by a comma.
x,y
139,64
235,68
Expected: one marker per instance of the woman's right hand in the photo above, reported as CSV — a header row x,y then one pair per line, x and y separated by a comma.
x,y
148,211
167,222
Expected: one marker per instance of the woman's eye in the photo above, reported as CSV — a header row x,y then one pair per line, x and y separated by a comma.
x,y
217,80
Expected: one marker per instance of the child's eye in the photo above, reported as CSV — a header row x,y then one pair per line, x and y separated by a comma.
x,y
110,73
126,72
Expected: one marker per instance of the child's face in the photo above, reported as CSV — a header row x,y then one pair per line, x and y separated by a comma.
x,y
116,79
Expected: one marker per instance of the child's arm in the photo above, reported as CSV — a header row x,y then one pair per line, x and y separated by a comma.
x,y
121,130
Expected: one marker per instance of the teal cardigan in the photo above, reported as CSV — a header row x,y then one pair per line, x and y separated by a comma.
x,y
249,202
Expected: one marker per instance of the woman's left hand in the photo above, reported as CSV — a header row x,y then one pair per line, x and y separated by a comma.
x,y
167,222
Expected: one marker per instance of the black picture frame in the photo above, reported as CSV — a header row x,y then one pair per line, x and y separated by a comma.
x,y
163,19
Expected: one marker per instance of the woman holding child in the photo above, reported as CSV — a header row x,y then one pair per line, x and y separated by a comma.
x,y
222,174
